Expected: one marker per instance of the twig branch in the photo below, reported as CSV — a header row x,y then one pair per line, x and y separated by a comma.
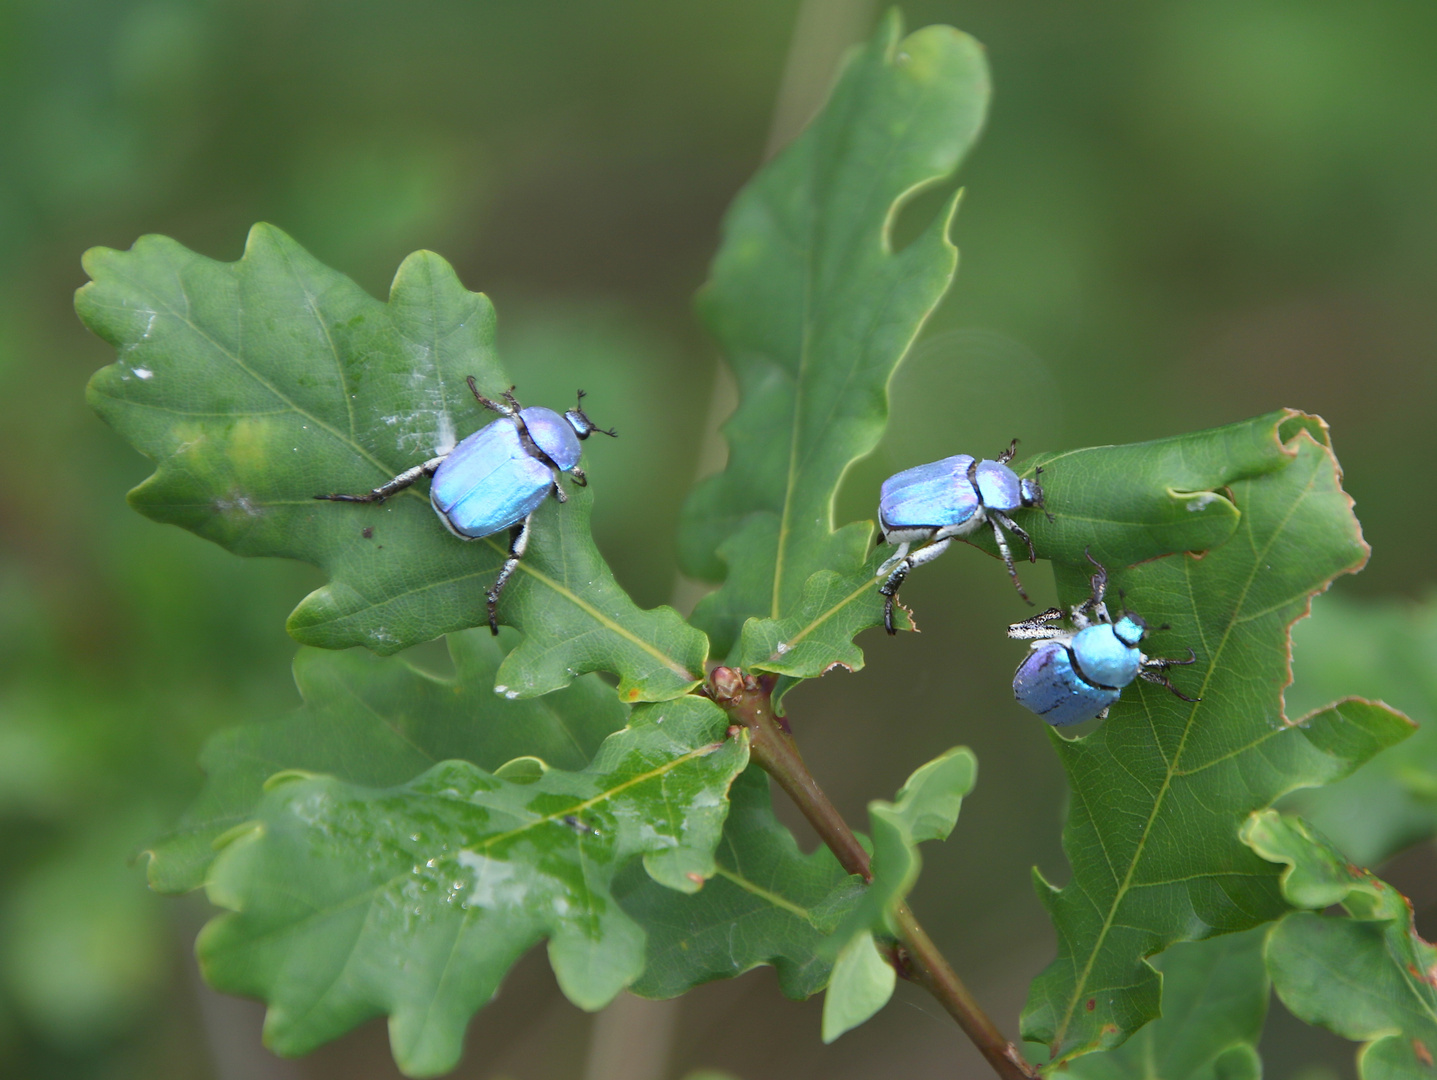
x,y
748,701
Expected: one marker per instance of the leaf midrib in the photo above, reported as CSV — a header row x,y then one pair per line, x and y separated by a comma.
x,y
763,894
822,618
599,617
897,132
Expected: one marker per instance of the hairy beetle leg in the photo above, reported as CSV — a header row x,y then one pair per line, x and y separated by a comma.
x,y
893,560
1038,628
399,483
509,409
889,591
905,563
1017,530
1093,608
1162,680
1155,670
518,544
1007,555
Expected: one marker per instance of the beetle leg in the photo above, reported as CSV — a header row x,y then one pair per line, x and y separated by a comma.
x,y
890,592
559,492
1165,662
929,553
1037,628
898,557
1007,455
580,477
907,562
1009,524
399,483
1007,558
1160,677
493,406
1094,605
518,544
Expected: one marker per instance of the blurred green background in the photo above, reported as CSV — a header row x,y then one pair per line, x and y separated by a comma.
x,y
1180,215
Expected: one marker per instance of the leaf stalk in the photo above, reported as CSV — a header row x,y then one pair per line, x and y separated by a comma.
x,y
748,700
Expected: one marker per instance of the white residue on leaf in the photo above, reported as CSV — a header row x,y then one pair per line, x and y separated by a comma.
x,y
427,426
496,883
445,434
239,502
501,689
652,839
1201,500
144,373
381,636
705,798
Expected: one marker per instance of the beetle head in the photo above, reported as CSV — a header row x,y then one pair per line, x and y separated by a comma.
x,y
582,425
1130,629
1031,492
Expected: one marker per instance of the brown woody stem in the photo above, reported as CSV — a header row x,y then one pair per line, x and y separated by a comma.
x,y
748,700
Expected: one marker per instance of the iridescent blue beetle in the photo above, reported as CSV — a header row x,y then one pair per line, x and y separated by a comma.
x,y
949,498
1076,675
497,477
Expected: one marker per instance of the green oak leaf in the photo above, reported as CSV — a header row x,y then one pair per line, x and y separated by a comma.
x,y
1159,789
767,903
257,384
926,809
349,902
814,309
861,983
380,723
1386,648
1127,504
817,636
1214,1003
1368,977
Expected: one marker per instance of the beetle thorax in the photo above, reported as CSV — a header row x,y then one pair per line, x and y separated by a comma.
x,y
553,434
1103,658
998,486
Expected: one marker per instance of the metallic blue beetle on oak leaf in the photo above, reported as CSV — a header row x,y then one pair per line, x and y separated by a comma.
x,y
497,477
947,499
1076,675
